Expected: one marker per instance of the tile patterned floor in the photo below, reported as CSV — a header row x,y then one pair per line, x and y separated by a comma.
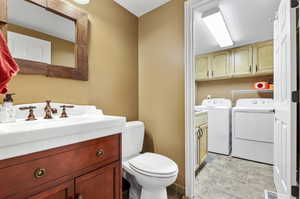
x,y
225,177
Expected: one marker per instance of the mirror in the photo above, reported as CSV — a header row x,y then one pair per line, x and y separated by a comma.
x,y
37,34
42,19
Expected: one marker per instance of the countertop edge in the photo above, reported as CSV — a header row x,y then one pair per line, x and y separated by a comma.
x,y
26,148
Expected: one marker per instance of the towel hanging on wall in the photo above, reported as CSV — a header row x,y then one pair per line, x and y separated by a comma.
x,y
8,66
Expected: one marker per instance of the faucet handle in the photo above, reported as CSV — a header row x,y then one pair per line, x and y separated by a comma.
x,y
64,112
31,115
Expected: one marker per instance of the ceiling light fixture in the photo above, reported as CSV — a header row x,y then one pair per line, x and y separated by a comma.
x,y
215,22
82,1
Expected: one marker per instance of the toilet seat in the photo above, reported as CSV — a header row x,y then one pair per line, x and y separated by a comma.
x,y
154,165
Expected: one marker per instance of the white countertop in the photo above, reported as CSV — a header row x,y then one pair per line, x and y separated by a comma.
x,y
26,137
202,112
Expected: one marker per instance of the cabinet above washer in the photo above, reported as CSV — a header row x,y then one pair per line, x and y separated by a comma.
x,y
246,61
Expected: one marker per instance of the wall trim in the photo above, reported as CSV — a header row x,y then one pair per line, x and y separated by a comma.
x,y
189,53
189,102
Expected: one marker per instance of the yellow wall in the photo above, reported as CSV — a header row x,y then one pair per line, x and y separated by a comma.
x,y
113,84
223,88
113,65
62,51
161,81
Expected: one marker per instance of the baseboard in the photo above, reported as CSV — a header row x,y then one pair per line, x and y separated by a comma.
x,y
178,189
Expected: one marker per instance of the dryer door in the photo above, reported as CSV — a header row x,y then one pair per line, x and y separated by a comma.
x,y
254,126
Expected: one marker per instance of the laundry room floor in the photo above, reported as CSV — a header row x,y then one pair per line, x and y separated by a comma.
x,y
225,177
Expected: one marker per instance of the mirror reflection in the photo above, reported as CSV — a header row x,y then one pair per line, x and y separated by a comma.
x,y
39,35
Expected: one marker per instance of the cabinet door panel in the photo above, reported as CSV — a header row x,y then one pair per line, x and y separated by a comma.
x,y
103,183
202,67
204,144
63,191
220,65
242,61
263,58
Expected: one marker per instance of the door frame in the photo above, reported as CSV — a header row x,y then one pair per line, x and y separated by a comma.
x,y
298,103
189,53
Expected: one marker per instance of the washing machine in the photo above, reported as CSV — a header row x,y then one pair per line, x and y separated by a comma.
x,y
253,130
219,124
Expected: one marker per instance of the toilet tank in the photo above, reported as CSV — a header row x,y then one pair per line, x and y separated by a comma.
x,y
133,139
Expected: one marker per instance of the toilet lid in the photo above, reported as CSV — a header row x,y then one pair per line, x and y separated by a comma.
x,y
154,164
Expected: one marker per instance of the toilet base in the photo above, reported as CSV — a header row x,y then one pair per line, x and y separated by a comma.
x,y
154,193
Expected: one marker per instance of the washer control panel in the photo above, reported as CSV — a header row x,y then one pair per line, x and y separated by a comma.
x,y
217,102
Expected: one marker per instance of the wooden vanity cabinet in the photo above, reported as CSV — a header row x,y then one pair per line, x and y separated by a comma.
x,y
87,170
102,183
63,191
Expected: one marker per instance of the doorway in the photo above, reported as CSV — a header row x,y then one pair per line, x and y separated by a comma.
x,y
230,95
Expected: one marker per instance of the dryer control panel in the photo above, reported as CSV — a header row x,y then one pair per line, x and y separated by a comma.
x,y
255,102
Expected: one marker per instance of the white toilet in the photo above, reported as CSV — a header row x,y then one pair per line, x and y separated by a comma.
x,y
153,172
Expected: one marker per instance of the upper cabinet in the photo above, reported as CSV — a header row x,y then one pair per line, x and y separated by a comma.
x,y
202,67
242,61
263,58
246,61
220,64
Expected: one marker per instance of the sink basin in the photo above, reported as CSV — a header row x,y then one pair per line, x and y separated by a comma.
x,y
84,123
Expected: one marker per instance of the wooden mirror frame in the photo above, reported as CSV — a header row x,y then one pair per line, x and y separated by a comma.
x,y
65,9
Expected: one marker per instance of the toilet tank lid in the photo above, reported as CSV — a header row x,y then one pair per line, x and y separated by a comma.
x,y
134,124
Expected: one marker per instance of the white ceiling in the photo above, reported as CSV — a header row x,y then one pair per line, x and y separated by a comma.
x,y
248,21
31,16
141,7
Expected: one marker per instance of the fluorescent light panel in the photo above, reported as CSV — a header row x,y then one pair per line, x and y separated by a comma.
x,y
82,1
216,25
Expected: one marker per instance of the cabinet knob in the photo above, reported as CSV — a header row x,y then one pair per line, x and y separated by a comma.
x,y
38,173
99,153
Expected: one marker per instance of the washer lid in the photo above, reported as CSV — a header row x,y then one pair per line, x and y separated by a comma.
x,y
151,163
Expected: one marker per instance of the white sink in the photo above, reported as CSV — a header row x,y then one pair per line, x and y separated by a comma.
x,y
85,123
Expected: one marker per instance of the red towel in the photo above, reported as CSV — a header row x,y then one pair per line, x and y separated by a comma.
x,y
8,66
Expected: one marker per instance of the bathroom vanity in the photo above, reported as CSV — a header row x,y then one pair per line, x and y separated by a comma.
x,y
77,158
201,142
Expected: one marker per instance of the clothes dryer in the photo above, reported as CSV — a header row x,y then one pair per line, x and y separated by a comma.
x,y
253,130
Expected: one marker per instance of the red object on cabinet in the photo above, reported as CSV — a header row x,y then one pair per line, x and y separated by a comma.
x,y
262,85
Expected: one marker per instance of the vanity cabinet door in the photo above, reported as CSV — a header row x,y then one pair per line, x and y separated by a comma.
x,y
263,58
203,143
63,191
104,183
202,67
242,61
220,65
